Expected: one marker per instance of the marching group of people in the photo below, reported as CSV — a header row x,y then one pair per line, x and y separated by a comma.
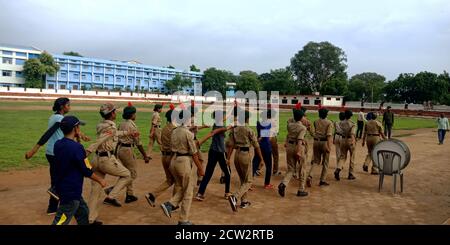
x,y
113,154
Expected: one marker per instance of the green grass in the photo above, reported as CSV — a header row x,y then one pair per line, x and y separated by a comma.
x,y
20,130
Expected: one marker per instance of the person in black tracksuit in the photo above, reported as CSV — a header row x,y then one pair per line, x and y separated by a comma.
x,y
216,154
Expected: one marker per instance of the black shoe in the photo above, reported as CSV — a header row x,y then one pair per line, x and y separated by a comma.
x,y
233,203
150,199
112,202
52,192
167,209
109,189
130,198
365,168
336,174
351,177
96,222
245,204
302,193
323,183
282,189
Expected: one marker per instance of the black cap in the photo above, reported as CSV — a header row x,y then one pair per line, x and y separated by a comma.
x,y
69,122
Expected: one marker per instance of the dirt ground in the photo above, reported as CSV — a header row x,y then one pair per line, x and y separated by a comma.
x,y
425,200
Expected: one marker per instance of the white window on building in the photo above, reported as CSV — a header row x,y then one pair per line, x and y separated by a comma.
x,y
83,77
75,76
86,67
73,66
6,60
7,73
63,75
62,86
19,74
51,86
97,78
75,87
118,79
106,79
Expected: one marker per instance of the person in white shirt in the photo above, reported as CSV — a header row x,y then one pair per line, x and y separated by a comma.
x,y
360,124
443,127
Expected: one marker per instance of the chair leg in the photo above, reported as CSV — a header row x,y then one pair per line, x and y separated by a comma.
x,y
401,182
380,182
395,183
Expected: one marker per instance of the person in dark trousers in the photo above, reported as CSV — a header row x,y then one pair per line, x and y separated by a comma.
x,y
216,154
69,174
443,127
360,124
61,106
263,131
388,122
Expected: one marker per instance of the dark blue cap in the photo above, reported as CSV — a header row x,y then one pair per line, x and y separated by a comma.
x,y
69,122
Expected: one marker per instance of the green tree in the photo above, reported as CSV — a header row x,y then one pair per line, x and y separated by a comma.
x,y
248,81
194,68
316,64
35,70
177,84
423,86
335,86
362,85
280,80
72,53
214,79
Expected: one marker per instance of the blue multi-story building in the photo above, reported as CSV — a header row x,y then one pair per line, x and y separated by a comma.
x,y
88,73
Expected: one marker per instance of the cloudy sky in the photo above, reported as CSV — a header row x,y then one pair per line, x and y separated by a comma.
x,y
383,36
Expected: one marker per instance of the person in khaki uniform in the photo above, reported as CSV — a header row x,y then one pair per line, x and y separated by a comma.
x,y
373,130
105,162
338,136
295,153
167,154
184,167
242,137
125,151
347,145
322,133
155,129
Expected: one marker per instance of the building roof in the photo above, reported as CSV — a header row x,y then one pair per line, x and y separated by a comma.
x,y
14,46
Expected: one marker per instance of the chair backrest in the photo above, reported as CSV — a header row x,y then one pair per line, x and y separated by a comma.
x,y
389,162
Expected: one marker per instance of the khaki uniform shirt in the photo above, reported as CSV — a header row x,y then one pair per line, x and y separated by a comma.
x,y
106,129
348,128
166,135
296,131
323,128
337,128
373,127
243,136
156,119
183,141
129,125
